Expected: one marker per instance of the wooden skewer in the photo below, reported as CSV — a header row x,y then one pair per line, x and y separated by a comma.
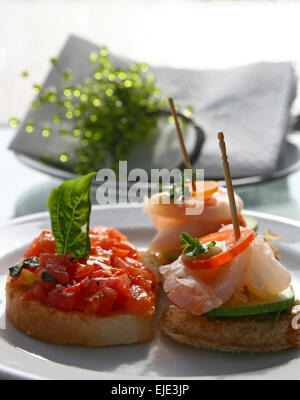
x,y
230,192
186,157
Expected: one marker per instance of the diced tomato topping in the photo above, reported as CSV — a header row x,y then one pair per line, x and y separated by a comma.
x,y
89,287
60,299
111,232
57,266
42,244
123,285
120,252
111,239
102,302
40,290
84,271
139,299
110,279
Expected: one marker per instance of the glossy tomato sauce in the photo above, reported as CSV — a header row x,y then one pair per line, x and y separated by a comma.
x,y
109,280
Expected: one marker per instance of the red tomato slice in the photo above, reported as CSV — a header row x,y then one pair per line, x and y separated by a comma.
x,y
235,248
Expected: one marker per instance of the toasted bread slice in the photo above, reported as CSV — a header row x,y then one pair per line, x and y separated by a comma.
x,y
50,324
259,333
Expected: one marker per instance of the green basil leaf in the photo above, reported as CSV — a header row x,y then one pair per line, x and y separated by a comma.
x,y
69,206
31,262
16,269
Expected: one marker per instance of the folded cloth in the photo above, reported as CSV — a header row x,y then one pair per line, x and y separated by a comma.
x,y
250,104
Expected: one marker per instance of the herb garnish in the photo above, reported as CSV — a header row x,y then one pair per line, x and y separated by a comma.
x,y
69,206
177,190
31,262
47,277
192,246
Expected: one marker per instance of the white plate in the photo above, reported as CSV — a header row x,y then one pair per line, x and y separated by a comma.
x,y
24,357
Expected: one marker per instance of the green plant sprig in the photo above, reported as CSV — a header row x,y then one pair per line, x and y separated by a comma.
x,y
177,191
111,111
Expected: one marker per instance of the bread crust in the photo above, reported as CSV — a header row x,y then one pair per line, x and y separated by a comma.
x,y
250,334
50,324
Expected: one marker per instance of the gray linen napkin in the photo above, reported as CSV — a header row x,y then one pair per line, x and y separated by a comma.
x,y
250,104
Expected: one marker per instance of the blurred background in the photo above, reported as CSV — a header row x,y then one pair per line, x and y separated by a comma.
x,y
179,33
189,34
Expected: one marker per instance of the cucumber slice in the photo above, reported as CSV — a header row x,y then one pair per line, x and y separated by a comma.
x,y
251,222
279,302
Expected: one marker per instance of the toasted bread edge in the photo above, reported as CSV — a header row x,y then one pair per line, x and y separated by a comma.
x,y
247,334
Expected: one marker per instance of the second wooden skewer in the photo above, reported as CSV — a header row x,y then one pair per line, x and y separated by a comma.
x,y
186,157
231,198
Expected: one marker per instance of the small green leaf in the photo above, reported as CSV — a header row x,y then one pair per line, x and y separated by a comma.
x,y
67,75
69,206
187,239
47,277
211,244
53,60
13,122
16,269
31,262
192,246
176,191
37,88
